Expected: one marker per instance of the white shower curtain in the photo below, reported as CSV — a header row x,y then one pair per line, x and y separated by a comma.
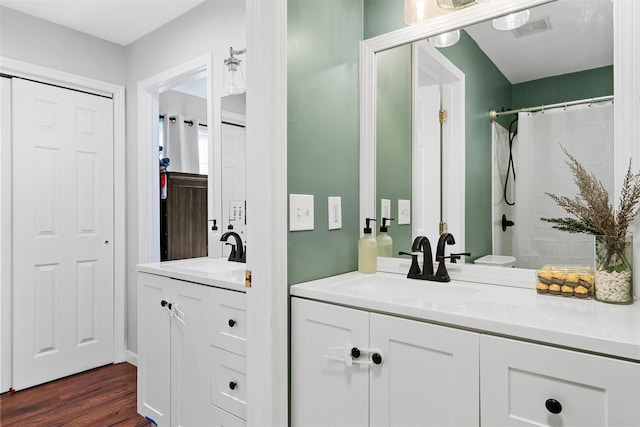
x,y
586,131
181,144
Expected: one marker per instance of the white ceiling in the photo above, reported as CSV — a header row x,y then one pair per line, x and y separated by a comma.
x,y
581,38
118,21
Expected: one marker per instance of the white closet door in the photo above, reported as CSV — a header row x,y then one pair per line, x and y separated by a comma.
x,y
62,232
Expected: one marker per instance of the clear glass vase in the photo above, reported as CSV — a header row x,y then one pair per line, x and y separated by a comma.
x,y
613,258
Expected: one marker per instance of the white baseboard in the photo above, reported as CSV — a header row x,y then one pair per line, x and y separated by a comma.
x,y
132,358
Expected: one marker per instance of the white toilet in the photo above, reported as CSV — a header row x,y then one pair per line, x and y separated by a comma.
x,y
497,260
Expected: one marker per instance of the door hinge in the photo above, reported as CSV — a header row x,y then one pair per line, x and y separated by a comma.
x,y
443,228
442,115
247,278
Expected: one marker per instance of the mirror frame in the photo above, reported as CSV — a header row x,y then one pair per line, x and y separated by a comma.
x,y
626,16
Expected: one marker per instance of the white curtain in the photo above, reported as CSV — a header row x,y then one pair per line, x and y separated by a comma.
x,y
586,131
181,144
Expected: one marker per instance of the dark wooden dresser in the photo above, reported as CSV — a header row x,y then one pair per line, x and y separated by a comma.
x,y
183,217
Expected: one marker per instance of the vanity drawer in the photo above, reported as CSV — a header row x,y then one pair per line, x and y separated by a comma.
x,y
526,384
221,418
229,382
229,329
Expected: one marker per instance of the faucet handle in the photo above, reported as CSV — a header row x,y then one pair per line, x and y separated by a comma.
x,y
454,257
414,270
233,250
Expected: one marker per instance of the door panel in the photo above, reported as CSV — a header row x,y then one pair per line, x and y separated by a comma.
x,y
62,232
429,375
321,337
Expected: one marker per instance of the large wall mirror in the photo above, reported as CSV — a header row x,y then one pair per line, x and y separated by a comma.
x,y
461,173
563,54
204,178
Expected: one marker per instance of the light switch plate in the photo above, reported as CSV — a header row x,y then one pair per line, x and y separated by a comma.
x,y
404,212
335,213
385,208
301,212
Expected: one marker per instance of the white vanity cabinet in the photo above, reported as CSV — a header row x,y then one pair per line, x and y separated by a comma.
x,y
351,367
187,335
524,384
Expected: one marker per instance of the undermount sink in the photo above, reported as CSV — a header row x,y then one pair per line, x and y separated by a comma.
x,y
394,287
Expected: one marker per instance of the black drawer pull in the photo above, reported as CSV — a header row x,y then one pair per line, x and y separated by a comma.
x,y
376,358
553,406
232,323
232,385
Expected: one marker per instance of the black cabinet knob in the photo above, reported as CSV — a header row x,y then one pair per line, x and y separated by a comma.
x,y
232,385
355,352
553,406
376,358
163,303
231,323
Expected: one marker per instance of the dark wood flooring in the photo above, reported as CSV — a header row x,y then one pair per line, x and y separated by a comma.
x,y
100,397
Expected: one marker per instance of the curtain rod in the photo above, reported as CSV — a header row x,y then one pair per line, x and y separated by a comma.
x,y
494,114
189,122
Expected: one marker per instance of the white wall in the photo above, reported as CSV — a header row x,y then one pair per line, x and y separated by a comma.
x,y
191,107
211,27
37,41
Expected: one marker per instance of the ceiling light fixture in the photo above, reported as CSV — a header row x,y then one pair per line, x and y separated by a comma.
x,y
445,39
511,21
420,10
233,74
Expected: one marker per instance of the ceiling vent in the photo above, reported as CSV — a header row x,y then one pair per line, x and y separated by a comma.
x,y
533,27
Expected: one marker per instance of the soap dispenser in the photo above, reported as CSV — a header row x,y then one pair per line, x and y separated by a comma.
x,y
384,241
367,251
213,241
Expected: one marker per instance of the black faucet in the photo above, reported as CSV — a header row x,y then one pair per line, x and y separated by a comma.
x,y
238,252
421,243
446,239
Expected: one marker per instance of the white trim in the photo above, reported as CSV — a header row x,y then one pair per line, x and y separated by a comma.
x,y
626,108
267,300
117,92
132,358
6,255
148,179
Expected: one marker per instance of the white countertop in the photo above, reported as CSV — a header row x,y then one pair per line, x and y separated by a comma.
x,y
518,312
216,272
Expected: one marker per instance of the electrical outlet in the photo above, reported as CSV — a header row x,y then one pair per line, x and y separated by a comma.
x,y
301,212
236,211
385,208
335,213
404,212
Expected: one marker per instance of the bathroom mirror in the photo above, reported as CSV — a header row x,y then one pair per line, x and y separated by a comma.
x,y
213,176
483,91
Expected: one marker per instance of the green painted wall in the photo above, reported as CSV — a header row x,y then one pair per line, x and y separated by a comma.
x,y
567,87
394,139
323,131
